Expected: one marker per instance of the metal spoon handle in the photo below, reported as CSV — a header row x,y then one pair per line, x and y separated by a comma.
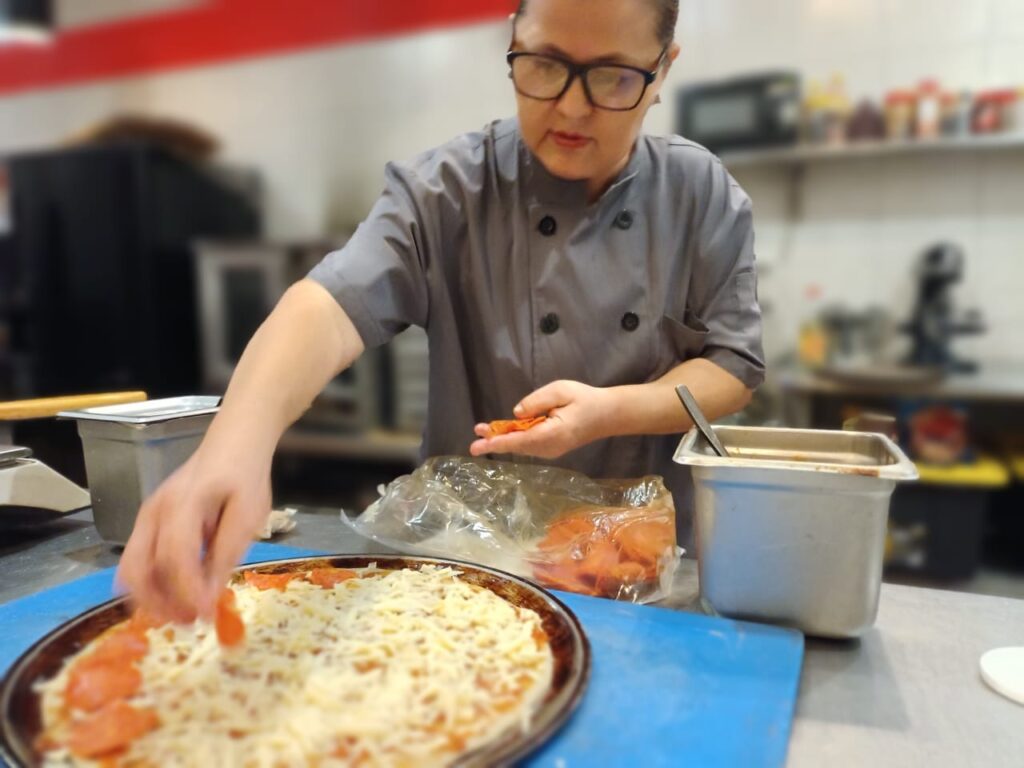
x,y
690,404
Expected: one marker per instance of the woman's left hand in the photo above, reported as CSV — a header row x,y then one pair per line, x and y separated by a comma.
x,y
577,414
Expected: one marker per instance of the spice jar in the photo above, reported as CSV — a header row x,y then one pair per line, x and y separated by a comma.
x,y
961,118
899,115
986,116
947,113
837,110
866,123
815,114
1007,100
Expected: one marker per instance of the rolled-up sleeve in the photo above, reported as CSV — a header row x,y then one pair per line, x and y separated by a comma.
x,y
380,276
724,279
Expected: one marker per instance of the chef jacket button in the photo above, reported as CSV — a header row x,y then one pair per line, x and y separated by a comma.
x,y
630,322
624,220
547,226
549,323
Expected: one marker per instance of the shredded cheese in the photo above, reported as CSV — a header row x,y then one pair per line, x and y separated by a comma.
x,y
396,668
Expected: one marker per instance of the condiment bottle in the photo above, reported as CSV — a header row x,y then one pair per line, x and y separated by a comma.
x,y
929,109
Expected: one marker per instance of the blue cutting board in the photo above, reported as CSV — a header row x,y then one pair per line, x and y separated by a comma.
x,y
667,688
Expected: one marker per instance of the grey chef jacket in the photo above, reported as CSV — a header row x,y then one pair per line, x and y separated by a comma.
x,y
518,282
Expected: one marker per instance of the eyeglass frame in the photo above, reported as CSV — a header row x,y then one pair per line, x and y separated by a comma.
x,y
581,71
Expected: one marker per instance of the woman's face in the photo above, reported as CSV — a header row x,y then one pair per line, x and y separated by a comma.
x,y
573,139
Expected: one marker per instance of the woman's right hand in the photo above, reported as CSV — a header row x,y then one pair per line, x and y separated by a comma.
x,y
193,530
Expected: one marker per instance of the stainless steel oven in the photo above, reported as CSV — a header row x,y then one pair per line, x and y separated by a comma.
x,y
239,282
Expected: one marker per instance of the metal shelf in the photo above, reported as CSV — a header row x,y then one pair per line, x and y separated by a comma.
x,y
868,149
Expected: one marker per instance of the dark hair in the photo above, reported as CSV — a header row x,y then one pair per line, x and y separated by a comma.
x,y
668,13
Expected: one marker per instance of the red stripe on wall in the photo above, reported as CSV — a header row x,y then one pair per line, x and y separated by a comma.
x,y
221,30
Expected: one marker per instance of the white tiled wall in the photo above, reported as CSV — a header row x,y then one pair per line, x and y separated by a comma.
x,y
862,224
321,124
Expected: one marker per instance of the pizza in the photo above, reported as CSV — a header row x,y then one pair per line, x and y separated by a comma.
x,y
325,667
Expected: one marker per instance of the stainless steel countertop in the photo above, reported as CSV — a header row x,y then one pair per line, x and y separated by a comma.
x,y
906,694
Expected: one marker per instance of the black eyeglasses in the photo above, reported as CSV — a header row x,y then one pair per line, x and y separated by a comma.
x,y
617,87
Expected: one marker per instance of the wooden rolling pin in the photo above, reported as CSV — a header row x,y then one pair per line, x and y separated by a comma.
x,y
43,407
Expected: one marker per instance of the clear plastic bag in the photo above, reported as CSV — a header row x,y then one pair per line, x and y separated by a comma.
x,y
611,538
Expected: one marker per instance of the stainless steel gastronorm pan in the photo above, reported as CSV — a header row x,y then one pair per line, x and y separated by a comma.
x,y
791,526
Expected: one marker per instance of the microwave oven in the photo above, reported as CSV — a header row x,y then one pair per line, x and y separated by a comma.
x,y
748,112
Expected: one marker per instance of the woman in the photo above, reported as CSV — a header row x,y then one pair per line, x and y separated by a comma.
x,y
561,263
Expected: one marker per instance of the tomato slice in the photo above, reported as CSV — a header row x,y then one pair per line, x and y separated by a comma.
x,y
567,531
644,541
229,625
112,728
95,682
125,642
328,577
269,580
505,426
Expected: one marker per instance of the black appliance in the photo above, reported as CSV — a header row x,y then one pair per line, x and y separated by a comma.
x,y
753,111
96,280
26,20
935,321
